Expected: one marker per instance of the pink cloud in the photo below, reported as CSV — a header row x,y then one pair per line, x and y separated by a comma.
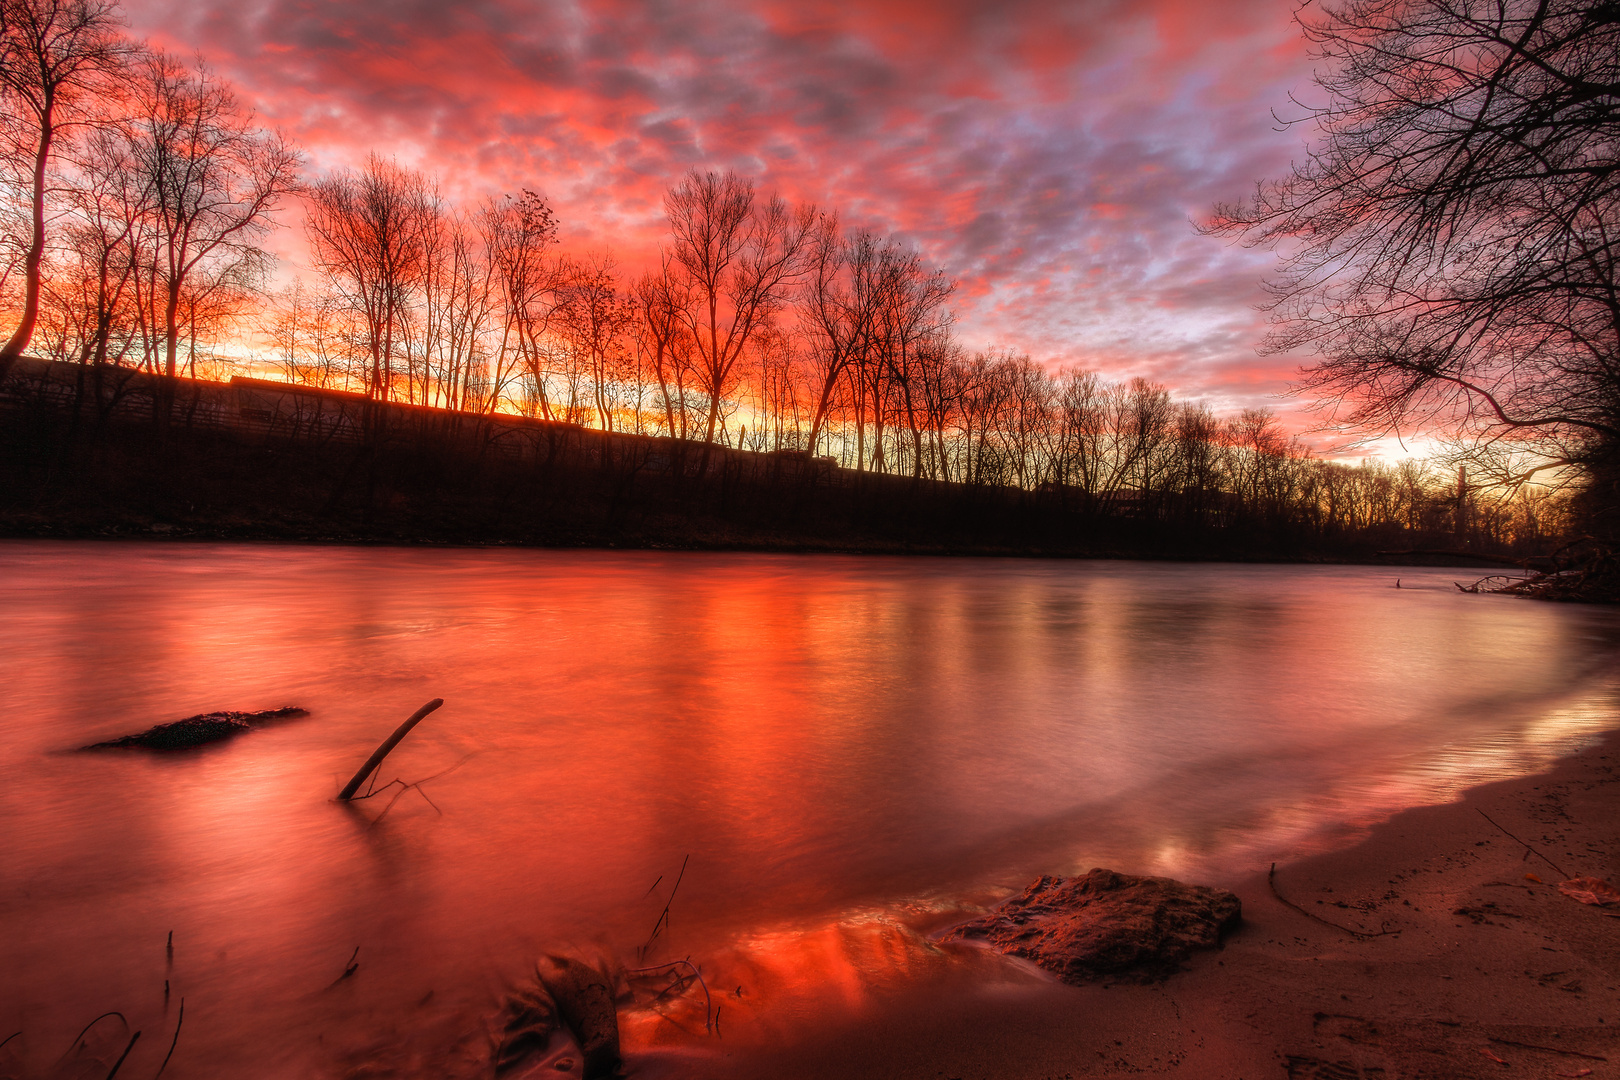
x,y
1049,156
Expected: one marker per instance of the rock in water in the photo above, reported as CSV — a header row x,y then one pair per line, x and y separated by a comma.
x,y
1107,924
585,998
198,730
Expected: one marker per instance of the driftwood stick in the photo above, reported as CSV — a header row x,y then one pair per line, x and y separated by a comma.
x,y
119,1064
1271,880
1549,1049
382,751
1528,847
175,1042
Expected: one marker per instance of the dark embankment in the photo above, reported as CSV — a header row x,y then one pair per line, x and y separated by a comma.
x,y
106,451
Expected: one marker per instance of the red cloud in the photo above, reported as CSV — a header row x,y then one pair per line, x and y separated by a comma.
x,y
1048,155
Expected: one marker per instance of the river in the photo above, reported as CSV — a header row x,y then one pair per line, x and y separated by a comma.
x,y
843,752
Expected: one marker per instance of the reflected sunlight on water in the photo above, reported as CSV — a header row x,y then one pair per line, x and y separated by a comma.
x,y
849,749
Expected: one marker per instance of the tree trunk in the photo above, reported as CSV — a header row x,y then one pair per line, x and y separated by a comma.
x,y
35,256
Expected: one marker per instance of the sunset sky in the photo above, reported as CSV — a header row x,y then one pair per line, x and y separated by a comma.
x,y
1049,156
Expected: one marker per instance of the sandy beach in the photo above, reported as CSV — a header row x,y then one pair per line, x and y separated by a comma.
x,y
1465,961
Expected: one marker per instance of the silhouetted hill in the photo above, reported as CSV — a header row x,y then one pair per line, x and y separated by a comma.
x,y
88,451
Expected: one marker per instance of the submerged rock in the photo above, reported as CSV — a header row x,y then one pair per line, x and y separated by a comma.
x,y
534,1041
1106,924
586,1001
198,730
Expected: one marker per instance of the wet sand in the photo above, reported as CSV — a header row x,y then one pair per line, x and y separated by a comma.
x,y
1461,957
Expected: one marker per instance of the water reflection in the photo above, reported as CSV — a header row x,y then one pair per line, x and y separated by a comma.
x,y
846,747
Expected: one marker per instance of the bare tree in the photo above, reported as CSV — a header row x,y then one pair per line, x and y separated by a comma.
x,y
57,59
778,406
306,328
739,258
218,296
518,233
91,278
369,233
1452,235
912,311
211,180
460,302
659,301
942,382
835,309
593,320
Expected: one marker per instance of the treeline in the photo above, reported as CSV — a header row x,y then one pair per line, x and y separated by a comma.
x,y
141,191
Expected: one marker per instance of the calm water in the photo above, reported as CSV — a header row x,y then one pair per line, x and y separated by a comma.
x,y
848,749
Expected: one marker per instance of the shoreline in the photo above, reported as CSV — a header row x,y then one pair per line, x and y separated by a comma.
x,y
1418,560
1460,959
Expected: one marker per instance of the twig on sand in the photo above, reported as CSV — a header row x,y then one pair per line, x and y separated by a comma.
x,y
1271,880
175,1042
1529,849
382,751
1549,1049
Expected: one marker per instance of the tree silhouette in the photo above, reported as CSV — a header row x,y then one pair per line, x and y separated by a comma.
x,y
369,232
739,257
57,58
211,179
1450,241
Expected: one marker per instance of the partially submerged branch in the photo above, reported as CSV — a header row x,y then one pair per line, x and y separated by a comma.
x,y
382,751
174,1042
1591,575
663,916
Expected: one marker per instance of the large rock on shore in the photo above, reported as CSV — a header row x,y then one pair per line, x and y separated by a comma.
x,y
1107,925
198,730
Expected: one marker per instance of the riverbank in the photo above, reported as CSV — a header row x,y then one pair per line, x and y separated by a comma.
x,y
82,455
1463,965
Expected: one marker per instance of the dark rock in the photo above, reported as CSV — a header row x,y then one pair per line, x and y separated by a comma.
x,y
585,998
198,730
1107,924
